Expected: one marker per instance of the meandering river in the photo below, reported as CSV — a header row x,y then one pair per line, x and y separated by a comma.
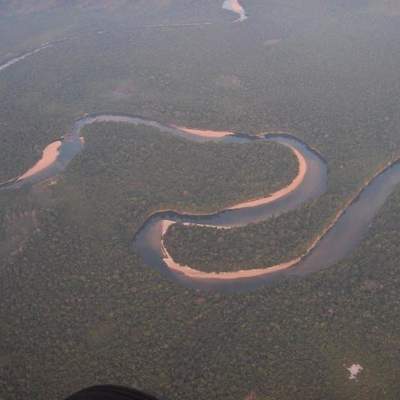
x,y
333,244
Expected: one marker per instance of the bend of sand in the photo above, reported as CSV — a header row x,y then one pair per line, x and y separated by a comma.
x,y
194,273
297,181
234,6
245,273
204,133
49,156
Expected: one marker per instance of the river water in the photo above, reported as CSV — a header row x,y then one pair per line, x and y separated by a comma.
x,y
331,246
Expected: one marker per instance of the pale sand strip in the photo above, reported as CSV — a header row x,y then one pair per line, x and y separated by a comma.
x,y
297,181
193,273
204,133
234,6
245,273
49,156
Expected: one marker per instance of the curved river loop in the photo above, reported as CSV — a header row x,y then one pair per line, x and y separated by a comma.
x,y
332,245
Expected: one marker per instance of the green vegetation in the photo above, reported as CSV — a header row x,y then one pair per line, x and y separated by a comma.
x,y
79,307
254,246
149,170
95,313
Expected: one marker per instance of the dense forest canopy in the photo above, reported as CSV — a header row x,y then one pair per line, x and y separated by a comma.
x,y
18,7
79,306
